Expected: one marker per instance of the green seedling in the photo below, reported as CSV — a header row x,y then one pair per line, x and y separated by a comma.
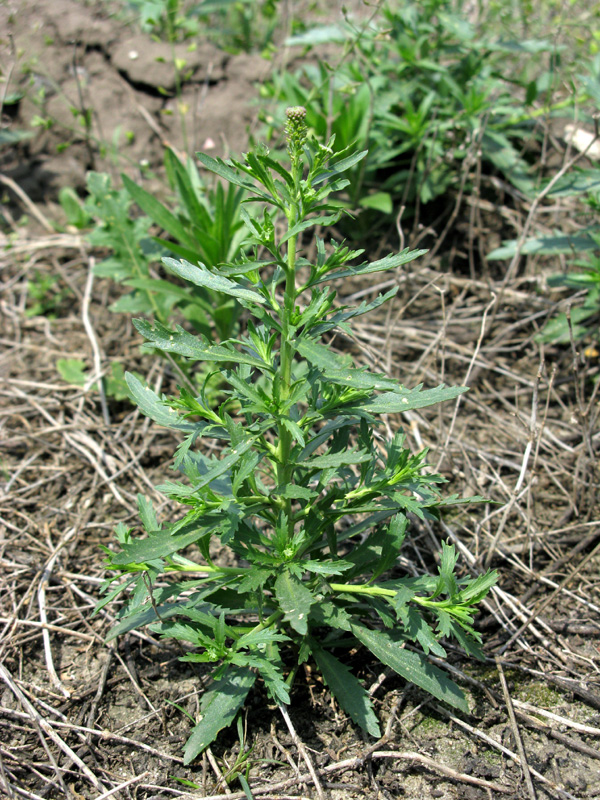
x,y
582,274
44,296
297,482
426,93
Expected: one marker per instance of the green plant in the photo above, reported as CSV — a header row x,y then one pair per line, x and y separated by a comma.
x,y
309,501
427,93
237,25
583,274
206,225
44,296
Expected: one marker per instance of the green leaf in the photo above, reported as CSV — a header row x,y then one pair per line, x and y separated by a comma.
x,y
576,181
151,405
162,544
158,213
309,223
340,459
223,170
326,613
147,515
319,355
218,709
200,276
335,567
386,646
72,370
347,689
380,201
339,167
389,262
361,379
407,399
294,492
546,246
417,629
294,600
195,347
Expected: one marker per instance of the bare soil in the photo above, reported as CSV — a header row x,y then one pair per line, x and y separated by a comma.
x,y
81,719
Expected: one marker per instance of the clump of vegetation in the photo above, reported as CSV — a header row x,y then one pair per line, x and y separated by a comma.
x,y
582,320
426,92
312,505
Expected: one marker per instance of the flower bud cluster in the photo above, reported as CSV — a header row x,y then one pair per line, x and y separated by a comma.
x,y
295,129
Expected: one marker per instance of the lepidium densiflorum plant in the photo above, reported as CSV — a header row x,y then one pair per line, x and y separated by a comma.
x,y
313,510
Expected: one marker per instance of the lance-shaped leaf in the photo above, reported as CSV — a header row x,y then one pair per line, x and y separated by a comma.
x,y
383,264
347,689
294,600
309,223
340,459
218,709
159,214
339,167
223,170
200,276
151,405
406,399
360,379
341,317
162,544
319,355
197,347
386,646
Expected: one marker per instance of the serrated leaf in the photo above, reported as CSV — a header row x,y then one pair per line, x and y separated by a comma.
x,y
308,223
417,629
340,459
545,245
383,264
407,399
327,613
197,347
319,355
218,708
294,492
223,170
476,590
348,691
326,567
160,545
151,405
265,636
339,167
294,600
386,646
146,512
361,379
200,276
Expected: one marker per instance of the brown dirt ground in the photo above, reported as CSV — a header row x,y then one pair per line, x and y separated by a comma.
x,y
79,719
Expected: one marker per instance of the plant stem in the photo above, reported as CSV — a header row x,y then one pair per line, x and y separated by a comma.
x,y
361,588
285,469
190,566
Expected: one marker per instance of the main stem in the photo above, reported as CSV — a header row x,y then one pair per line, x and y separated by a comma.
x,y
285,468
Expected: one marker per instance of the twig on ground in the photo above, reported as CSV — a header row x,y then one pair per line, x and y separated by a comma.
x,y
85,315
41,596
516,732
221,782
513,756
27,202
303,751
45,727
